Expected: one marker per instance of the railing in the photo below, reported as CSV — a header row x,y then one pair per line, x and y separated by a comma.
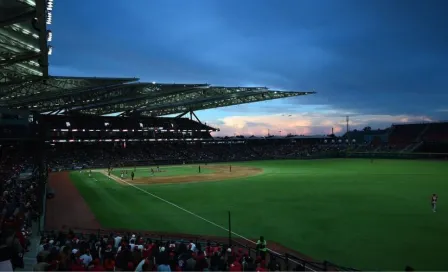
x,y
288,262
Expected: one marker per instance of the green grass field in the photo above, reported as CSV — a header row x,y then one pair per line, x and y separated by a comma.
x,y
371,216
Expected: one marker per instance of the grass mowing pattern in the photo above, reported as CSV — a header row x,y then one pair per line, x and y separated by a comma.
x,y
352,212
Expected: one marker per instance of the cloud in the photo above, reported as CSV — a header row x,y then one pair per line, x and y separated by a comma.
x,y
312,124
385,59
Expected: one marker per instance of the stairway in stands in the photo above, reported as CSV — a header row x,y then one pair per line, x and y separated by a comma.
x,y
417,141
422,133
411,147
30,257
416,146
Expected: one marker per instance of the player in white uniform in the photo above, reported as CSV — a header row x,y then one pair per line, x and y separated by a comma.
x,y
434,198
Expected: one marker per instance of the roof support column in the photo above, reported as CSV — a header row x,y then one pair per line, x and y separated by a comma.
x,y
182,114
193,114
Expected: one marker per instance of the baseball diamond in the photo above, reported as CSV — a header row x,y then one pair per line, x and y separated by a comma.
x,y
345,206
172,175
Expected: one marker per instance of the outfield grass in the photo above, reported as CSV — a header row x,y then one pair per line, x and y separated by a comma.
x,y
165,171
372,216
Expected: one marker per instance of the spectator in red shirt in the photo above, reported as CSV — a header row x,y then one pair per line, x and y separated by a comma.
x,y
261,266
97,266
77,266
109,264
235,266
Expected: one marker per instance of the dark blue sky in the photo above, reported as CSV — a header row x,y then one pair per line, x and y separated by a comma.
x,y
383,61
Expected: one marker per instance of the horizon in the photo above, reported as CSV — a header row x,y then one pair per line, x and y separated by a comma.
x,y
379,62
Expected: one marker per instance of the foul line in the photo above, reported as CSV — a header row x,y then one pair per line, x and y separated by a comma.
x,y
116,179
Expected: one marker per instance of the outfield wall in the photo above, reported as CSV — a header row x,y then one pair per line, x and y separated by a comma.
x,y
137,163
329,155
397,155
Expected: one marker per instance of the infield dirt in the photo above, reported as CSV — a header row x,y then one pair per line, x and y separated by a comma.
x,y
219,172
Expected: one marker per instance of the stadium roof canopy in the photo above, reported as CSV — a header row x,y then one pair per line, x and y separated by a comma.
x,y
100,96
24,39
25,84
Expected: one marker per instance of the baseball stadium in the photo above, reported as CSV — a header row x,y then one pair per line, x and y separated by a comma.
x,y
83,190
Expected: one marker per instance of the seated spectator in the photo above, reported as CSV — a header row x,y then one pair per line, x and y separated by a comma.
x,y
41,265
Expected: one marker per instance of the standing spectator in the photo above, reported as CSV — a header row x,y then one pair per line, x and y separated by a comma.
x,y
164,264
261,248
140,266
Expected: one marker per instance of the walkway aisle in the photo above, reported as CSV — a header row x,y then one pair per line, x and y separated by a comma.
x,y
30,257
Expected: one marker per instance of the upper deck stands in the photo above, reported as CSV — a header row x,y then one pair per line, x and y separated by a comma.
x,y
436,132
405,134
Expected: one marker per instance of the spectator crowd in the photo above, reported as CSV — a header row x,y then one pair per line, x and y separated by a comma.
x,y
20,204
67,251
73,156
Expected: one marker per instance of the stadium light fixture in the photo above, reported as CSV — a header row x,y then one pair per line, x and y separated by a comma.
x,y
50,50
49,12
49,18
49,36
67,124
49,5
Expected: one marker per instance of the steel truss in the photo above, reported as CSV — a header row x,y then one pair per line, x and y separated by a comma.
x,y
100,96
210,102
23,40
25,84
54,91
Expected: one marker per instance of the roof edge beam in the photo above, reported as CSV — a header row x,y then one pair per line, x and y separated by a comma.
x,y
41,27
19,58
23,16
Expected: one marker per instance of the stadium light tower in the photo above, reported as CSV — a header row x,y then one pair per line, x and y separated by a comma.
x,y
347,119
